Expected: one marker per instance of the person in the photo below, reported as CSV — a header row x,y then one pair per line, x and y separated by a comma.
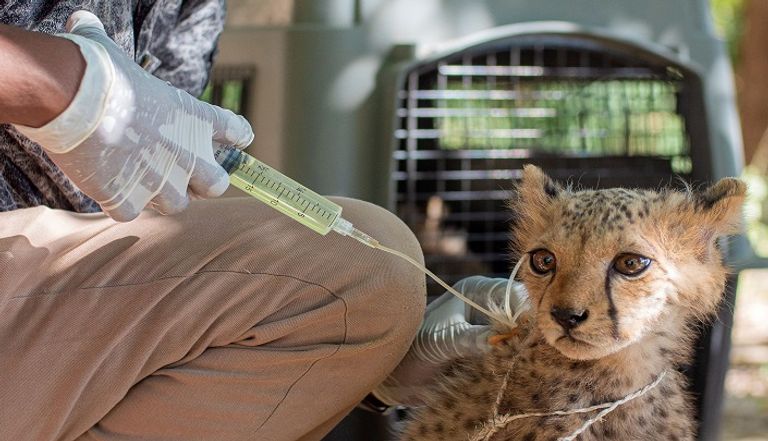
x,y
201,319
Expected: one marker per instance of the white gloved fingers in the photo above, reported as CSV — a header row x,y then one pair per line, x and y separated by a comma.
x,y
473,340
127,211
170,192
444,310
427,356
165,187
479,287
476,288
491,292
453,340
208,180
82,22
170,201
444,335
194,196
446,301
228,127
86,24
136,183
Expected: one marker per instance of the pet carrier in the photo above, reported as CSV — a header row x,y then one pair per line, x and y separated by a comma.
x,y
432,107
591,111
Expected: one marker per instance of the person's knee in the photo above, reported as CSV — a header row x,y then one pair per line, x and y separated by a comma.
x,y
398,295
384,295
400,304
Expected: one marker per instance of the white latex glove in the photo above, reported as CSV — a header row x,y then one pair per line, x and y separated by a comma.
x,y
450,329
129,139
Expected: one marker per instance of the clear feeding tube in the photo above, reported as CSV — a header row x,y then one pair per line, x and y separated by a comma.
x,y
311,209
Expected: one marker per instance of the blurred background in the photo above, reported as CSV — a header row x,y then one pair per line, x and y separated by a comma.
x,y
430,108
742,24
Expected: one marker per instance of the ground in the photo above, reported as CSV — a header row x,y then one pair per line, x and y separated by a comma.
x,y
746,406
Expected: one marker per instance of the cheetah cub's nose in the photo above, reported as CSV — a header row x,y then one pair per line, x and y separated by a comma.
x,y
569,318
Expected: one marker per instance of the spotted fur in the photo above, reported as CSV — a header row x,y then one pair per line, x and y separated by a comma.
x,y
636,327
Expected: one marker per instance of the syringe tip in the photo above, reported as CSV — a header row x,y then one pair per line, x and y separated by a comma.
x,y
364,238
345,228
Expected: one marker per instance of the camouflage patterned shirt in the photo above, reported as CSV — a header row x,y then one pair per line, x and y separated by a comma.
x,y
174,39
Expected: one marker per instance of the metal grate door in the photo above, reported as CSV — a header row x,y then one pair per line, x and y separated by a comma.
x,y
583,110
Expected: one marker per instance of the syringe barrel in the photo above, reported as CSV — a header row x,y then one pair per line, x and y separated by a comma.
x,y
277,190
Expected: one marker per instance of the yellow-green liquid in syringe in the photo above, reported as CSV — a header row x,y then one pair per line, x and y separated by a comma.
x,y
278,191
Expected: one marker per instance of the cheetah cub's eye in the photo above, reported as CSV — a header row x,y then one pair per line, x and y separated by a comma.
x,y
631,264
542,261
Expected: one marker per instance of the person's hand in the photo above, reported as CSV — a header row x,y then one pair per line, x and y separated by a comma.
x,y
129,139
450,329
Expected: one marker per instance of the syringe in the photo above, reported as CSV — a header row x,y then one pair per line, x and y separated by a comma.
x,y
286,195
307,207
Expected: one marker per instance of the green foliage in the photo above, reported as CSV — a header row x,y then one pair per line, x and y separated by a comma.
x,y
614,117
756,210
207,93
230,95
729,22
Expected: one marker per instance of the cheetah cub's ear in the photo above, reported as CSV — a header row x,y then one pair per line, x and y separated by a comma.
x,y
532,202
713,212
722,205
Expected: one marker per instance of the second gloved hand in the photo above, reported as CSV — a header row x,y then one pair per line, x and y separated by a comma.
x,y
129,139
450,329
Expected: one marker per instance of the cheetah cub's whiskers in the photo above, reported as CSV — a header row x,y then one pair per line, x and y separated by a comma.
x,y
618,281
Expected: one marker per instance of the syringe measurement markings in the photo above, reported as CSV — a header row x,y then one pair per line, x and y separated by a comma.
x,y
283,193
303,203
319,209
245,169
281,188
259,176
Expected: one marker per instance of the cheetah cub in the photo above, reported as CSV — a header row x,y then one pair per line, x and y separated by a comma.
x,y
617,281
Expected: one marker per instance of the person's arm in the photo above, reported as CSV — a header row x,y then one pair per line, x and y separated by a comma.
x,y
39,73
126,138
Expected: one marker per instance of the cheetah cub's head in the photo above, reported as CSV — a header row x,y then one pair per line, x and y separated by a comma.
x,y
604,268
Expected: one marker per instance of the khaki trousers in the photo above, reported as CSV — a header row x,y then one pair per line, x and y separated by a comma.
x,y
226,322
